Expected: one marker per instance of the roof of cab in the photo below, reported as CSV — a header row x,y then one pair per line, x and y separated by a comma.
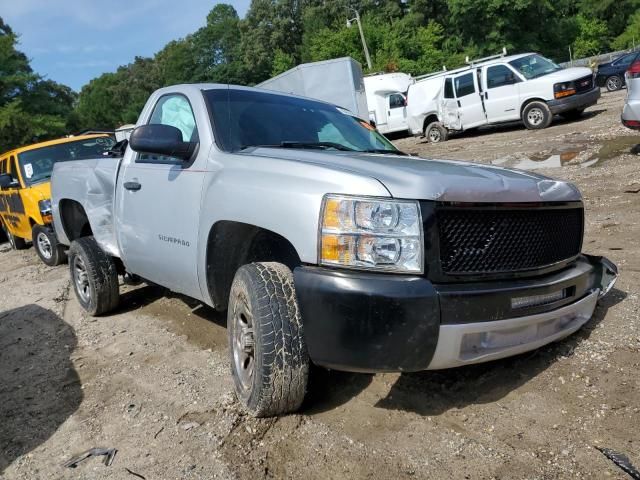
x,y
51,142
506,58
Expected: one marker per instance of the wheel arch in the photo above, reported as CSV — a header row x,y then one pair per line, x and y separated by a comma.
x,y
430,118
530,100
74,219
231,244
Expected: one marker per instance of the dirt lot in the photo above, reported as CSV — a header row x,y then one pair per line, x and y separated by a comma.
x,y
152,380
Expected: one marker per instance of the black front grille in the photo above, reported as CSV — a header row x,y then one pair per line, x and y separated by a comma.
x,y
479,241
584,84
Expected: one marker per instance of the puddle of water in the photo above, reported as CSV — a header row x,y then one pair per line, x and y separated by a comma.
x,y
200,324
535,162
609,149
618,146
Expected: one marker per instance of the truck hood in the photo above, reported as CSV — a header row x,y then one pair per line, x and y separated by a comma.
x,y
565,75
42,190
441,180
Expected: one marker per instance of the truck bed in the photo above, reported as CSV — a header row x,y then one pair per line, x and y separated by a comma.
x,y
91,183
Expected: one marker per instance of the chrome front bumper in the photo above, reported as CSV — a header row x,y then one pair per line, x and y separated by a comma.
x,y
465,344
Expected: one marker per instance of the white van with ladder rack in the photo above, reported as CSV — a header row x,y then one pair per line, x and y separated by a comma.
x,y
498,89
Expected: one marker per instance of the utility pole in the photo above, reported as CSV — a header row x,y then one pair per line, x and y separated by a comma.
x,y
364,42
570,57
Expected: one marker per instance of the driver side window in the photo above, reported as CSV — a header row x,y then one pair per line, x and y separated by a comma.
x,y
173,110
13,169
396,101
626,60
499,76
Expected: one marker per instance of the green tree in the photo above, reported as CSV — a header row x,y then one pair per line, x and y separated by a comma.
x,y
630,37
31,108
592,37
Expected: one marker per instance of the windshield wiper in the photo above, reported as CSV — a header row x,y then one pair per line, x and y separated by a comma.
x,y
382,150
40,178
303,145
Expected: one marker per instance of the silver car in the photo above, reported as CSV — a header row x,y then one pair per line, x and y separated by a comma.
x,y
631,110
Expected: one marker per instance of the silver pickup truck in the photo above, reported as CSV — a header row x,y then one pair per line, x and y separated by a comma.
x,y
324,243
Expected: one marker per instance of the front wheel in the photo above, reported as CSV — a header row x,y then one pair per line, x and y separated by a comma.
x,y
536,115
613,83
94,276
269,359
16,243
436,132
47,246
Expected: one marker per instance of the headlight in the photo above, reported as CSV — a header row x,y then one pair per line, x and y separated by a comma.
x,y
45,207
564,89
369,233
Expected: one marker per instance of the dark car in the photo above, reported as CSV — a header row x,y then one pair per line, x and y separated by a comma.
x,y
611,74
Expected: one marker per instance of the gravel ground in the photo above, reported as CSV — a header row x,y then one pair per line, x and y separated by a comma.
x,y
152,379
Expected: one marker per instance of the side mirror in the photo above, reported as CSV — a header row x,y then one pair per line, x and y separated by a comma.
x,y
161,140
7,181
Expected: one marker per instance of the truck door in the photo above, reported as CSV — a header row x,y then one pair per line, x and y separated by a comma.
x,y
468,100
396,112
501,94
12,205
449,111
158,204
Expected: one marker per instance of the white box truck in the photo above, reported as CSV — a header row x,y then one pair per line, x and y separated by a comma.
x,y
387,100
338,81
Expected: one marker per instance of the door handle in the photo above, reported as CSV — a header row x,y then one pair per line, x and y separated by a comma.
x,y
486,95
459,105
134,186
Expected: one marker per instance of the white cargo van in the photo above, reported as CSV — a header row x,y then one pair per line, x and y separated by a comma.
x,y
387,101
497,89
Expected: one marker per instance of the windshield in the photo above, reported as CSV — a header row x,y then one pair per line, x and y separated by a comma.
x,y
534,66
244,119
37,164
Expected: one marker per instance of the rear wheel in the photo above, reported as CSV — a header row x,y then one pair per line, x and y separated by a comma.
x,y
436,133
613,83
536,115
94,276
16,243
47,246
269,359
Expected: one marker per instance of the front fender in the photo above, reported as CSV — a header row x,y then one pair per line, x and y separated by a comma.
x,y
281,196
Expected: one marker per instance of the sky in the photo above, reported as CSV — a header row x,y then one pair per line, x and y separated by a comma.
x,y
73,41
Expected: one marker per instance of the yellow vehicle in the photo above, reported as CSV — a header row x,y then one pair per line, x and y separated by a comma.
x,y
25,190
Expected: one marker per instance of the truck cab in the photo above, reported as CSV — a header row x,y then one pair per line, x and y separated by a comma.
x,y
499,89
387,100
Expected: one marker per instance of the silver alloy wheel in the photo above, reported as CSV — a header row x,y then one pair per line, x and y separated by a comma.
x,y
12,241
434,135
44,245
81,279
243,344
535,116
613,83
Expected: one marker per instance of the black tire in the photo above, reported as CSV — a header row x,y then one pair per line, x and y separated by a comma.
x,y
613,83
93,276
47,247
536,115
269,359
572,114
16,243
435,132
